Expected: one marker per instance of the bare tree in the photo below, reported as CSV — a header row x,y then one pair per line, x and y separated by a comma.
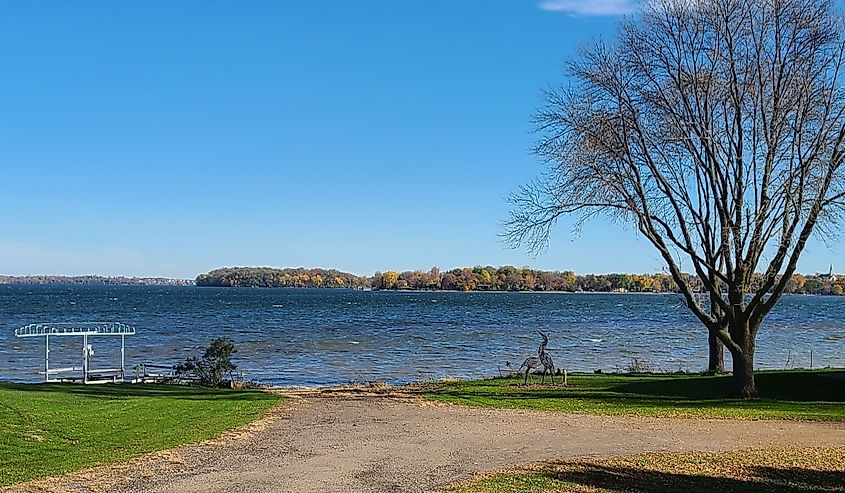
x,y
715,128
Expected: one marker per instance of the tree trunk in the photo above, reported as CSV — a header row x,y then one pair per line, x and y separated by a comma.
x,y
744,386
716,364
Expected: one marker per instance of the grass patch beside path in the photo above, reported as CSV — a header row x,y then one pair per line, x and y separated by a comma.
x,y
793,394
51,429
770,471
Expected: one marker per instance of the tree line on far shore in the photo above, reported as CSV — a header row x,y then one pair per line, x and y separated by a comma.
x,y
266,277
95,280
509,278
489,278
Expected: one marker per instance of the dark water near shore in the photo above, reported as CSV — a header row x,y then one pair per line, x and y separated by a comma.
x,y
308,337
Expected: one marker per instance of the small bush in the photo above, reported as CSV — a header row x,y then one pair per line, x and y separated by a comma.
x,y
215,365
639,366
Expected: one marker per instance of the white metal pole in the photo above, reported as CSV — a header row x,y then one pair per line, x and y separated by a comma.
x,y
85,358
47,357
122,339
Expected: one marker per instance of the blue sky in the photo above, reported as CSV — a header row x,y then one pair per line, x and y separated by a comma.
x,y
170,138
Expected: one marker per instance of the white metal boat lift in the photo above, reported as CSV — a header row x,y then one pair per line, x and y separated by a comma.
x,y
84,330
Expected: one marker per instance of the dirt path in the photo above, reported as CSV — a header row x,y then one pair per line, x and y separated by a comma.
x,y
388,444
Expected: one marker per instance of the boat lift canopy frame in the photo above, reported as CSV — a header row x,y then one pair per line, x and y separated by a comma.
x,y
78,329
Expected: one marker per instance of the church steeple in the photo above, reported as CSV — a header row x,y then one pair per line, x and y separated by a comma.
x,y
830,272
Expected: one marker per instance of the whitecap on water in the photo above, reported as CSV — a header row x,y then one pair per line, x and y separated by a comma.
x,y
354,342
596,340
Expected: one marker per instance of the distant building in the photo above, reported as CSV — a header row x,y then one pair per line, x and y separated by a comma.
x,y
830,277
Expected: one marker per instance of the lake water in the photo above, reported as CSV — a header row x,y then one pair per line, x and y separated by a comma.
x,y
315,337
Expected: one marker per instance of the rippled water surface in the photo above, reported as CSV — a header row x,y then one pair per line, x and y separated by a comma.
x,y
307,337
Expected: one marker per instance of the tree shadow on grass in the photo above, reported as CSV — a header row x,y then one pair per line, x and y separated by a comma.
x,y
785,386
131,391
760,479
795,386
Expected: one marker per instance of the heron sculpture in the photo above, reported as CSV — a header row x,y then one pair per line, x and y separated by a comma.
x,y
529,364
543,359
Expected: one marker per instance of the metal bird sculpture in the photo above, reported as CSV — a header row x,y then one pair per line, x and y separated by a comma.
x,y
529,364
542,360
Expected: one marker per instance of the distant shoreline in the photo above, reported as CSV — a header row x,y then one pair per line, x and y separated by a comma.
x,y
43,280
191,284
514,291
486,279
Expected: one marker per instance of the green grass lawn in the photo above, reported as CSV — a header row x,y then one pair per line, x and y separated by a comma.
x,y
770,471
50,429
794,394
